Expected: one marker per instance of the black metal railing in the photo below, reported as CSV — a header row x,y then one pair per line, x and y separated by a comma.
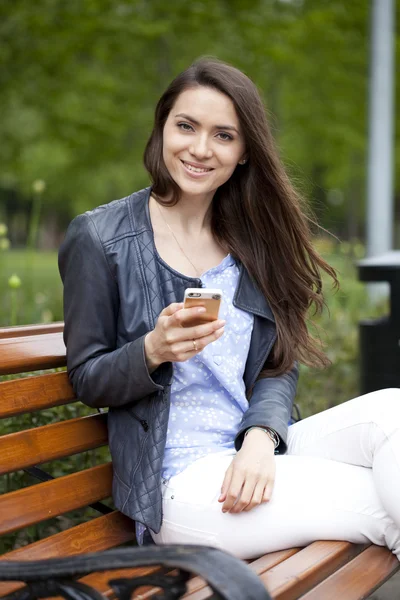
x,y
228,577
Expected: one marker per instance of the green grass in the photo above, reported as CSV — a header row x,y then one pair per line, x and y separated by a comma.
x,y
39,299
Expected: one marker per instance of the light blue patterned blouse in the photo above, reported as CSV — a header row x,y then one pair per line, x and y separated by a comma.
x,y
207,391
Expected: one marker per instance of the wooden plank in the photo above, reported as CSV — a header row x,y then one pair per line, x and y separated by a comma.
x,y
32,353
96,535
299,573
359,578
46,500
34,393
24,330
42,444
287,573
198,590
262,564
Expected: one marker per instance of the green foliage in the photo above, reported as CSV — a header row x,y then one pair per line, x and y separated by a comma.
x,y
337,327
80,80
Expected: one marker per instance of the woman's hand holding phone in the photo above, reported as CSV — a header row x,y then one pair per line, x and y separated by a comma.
x,y
174,340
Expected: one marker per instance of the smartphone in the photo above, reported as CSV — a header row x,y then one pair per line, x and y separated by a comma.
x,y
207,297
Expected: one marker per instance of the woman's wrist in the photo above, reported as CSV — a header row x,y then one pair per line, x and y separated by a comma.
x,y
258,439
152,361
269,433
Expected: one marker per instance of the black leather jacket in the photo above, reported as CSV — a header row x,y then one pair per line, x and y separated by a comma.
x,y
115,286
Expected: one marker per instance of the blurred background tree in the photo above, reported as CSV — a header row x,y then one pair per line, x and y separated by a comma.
x,y
80,81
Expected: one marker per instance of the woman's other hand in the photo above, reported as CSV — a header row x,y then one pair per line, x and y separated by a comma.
x,y
171,341
249,480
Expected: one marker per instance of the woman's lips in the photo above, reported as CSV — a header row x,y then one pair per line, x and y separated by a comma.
x,y
194,171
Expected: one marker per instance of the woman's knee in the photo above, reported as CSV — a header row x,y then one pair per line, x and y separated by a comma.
x,y
383,405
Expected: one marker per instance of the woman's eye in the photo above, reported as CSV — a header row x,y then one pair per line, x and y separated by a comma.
x,y
225,137
185,126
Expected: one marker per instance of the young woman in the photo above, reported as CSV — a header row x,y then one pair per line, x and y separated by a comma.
x,y
198,416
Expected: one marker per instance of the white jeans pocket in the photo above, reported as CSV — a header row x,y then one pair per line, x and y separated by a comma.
x,y
174,533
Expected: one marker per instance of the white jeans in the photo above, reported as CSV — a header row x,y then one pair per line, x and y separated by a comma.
x,y
340,480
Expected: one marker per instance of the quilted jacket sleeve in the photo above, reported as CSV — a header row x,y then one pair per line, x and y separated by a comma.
x,y
271,406
101,374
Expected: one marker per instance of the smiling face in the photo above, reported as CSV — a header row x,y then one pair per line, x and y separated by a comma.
x,y
202,141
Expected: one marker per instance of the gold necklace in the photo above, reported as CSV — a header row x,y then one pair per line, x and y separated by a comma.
x,y
175,238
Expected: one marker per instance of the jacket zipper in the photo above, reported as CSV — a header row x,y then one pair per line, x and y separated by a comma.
x,y
143,422
165,391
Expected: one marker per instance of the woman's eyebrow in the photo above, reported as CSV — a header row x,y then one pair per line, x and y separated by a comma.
x,y
189,118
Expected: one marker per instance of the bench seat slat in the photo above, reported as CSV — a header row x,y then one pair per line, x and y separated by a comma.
x,y
46,500
99,534
197,587
304,570
359,578
299,571
26,395
42,444
32,353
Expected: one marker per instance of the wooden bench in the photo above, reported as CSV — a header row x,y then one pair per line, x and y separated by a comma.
x,y
322,570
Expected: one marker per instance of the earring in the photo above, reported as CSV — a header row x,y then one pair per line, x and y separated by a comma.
x,y
243,162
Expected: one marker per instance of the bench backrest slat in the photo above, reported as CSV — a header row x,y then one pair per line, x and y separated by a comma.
x,y
34,348
32,353
42,444
24,330
40,502
34,393
96,535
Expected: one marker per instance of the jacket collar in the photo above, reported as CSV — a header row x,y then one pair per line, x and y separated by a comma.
x,y
139,206
248,296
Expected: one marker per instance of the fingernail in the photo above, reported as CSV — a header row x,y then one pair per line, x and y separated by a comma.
x,y
221,323
220,331
224,510
201,309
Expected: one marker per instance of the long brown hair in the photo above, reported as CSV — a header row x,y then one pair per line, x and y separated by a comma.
x,y
257,214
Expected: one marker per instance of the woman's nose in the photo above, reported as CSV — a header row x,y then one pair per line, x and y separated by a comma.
x,y
200,148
